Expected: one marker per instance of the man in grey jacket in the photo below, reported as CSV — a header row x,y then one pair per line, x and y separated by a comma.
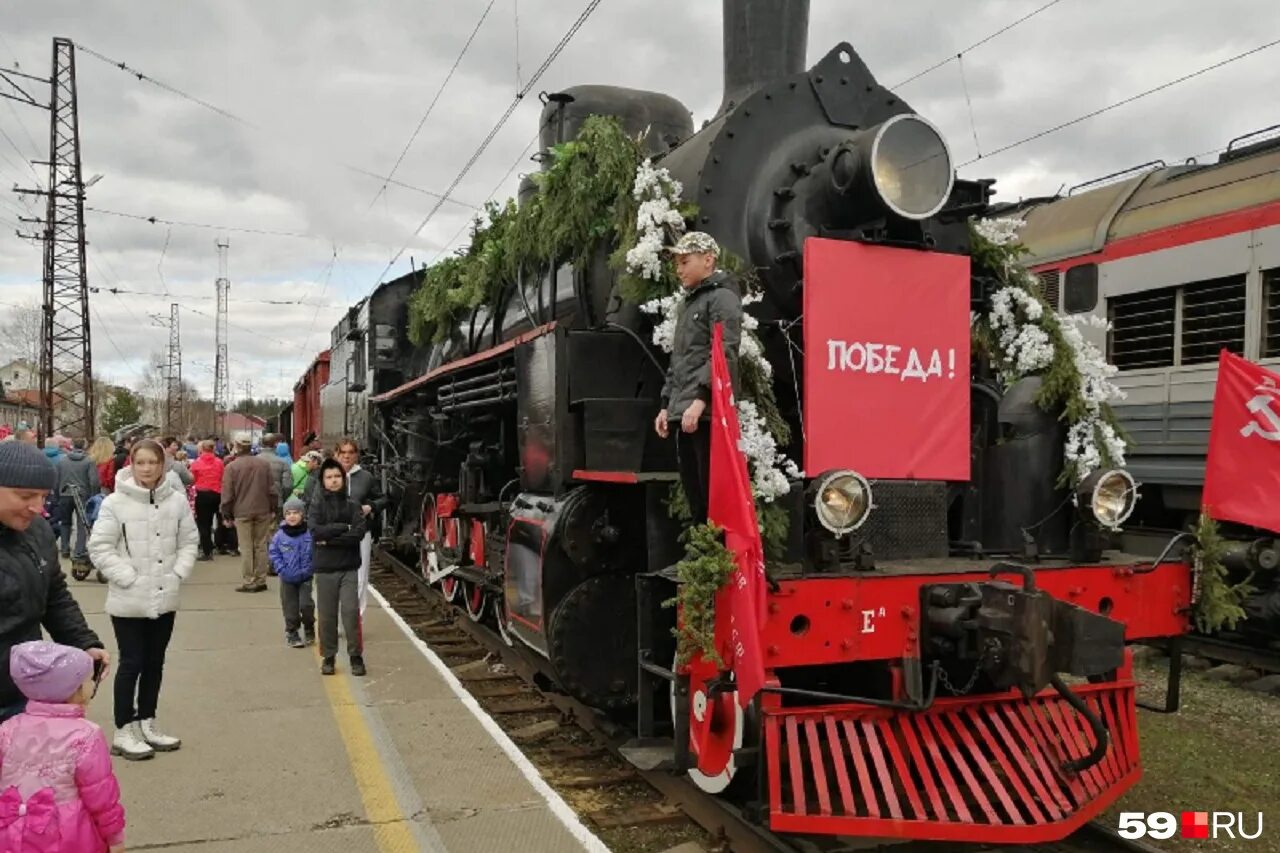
x,y
77,477
711,296
279,466
171,463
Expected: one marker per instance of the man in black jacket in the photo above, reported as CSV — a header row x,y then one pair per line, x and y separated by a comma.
x,y
711,296
33,589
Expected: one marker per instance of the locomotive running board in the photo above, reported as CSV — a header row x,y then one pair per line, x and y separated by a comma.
x,y
985,769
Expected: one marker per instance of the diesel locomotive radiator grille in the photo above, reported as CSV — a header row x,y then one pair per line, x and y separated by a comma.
x,y
1271,314
1212,319
1174,326
909,520
1142,329
1050,286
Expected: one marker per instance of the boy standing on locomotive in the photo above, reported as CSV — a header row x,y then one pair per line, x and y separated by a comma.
x,y
711,296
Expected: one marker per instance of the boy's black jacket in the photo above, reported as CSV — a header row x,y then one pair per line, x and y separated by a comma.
x,y
337,526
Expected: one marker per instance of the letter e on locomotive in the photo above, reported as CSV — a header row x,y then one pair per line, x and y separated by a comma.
x,y
886,367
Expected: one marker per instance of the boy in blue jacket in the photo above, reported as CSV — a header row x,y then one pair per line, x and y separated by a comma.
x,y
290,556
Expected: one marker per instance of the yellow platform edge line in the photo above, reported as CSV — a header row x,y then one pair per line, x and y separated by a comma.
x,y
391,829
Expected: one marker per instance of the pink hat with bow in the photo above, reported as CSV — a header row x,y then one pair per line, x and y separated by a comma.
x,y
48,672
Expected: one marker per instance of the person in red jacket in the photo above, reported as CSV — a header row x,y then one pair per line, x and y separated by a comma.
x,y
207,470
102,452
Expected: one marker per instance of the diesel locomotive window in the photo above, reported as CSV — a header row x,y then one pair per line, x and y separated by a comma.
x,y
1080,290
1271,313
1172,326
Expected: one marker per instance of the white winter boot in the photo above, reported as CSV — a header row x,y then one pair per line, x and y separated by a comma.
x,y
159,742
130,744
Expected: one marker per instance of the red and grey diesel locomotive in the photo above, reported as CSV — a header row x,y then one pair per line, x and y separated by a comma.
x,y
945,653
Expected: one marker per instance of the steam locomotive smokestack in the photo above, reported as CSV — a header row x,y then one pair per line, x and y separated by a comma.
x,y
763,40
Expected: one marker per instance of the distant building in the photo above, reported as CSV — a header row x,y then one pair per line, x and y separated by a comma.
x,y
19,407
20,375
245,427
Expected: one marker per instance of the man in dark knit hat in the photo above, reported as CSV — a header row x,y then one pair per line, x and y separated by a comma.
x,y
33,589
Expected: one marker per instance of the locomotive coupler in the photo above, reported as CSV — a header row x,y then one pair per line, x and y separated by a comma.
x,y
1021,635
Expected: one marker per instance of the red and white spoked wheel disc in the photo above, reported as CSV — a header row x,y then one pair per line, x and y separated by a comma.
x,y
428,554
500,617
715,730
450,586
474,599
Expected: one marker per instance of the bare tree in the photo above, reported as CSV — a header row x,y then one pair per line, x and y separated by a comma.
x,y
20,330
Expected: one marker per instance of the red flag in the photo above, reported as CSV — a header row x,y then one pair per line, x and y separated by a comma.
x,y
731,507
1242,472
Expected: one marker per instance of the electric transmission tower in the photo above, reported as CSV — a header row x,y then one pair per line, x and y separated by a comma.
x,y
66,365
173,376
221,375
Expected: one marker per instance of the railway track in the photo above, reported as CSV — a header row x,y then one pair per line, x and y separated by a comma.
x,y
1224,651
577,749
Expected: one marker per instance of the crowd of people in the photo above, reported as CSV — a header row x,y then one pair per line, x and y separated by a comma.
x,y
144,514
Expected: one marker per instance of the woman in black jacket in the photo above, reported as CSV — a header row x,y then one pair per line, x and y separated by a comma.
x,y
337,527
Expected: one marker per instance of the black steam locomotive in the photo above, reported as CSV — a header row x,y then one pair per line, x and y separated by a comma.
x,y
529,483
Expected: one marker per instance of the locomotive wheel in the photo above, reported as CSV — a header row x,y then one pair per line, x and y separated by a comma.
x,y
450,587
500,618
716,725
474,599
592,640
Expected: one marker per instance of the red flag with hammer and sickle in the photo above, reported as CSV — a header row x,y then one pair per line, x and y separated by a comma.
x,y
731,507
1242,472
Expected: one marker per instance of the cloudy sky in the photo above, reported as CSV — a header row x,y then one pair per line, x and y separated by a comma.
x,y
323,89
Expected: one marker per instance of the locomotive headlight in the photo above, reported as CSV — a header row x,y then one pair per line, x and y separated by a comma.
x,y
903,161
841,500
911,167
1112,496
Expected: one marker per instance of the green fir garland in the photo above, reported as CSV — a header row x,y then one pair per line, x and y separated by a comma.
x,y
584,202
1216,602
705,569
1061,382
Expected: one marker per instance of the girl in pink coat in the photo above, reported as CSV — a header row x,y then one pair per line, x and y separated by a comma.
x,y
58,793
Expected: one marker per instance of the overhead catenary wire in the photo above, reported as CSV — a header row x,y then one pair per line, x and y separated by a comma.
x,y
502,120
22,156
253,332
21,123
523,156
324,288
156,220
230,116
183,297
977,44
102,325
1123,102
430,107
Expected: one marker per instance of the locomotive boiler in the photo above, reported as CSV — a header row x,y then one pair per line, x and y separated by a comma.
x,y
924,622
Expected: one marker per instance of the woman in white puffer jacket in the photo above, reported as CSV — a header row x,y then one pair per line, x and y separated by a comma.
x,y
144,543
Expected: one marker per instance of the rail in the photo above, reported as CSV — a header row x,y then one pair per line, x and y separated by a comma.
x,y
730,828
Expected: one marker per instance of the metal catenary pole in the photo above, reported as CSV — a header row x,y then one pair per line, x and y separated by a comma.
x,y
66,361
221,375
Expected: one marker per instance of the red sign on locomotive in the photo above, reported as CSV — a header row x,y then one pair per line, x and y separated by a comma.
x,y
886,375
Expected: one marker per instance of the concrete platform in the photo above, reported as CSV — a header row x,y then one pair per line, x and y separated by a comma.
x,y
277,758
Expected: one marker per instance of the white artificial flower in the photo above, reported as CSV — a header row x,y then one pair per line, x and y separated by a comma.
x,y
658,194
1001,232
